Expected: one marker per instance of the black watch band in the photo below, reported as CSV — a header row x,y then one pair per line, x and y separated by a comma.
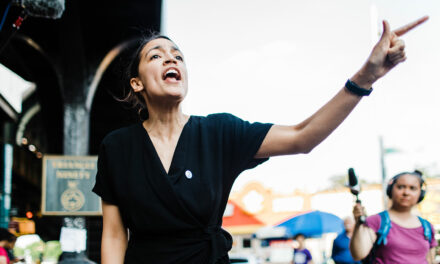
x,y
355,89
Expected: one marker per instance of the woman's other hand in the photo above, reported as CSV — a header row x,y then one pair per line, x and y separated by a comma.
x,y
386,54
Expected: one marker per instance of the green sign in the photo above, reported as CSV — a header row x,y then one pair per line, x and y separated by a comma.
x,y
67,185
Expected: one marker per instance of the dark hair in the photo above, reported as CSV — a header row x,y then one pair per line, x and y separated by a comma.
x,y
135,99
417,173
298,235
12,237
6,235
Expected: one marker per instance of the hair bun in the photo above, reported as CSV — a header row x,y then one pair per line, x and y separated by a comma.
x,y
418,172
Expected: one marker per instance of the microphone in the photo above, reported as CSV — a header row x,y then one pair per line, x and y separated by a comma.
x,y
355,189
52,9
353,182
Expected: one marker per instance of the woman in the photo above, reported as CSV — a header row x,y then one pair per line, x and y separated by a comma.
x,y
407,241
165,182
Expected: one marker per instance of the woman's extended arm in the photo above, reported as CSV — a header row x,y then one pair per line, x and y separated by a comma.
x,y
114,235
302,138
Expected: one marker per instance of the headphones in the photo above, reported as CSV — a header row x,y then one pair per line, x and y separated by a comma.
x,y
415,173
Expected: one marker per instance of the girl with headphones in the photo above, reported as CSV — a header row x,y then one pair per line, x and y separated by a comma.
x,y
406,240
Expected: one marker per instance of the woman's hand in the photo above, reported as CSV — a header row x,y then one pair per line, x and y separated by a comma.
x,y
303,137
386,54
358,211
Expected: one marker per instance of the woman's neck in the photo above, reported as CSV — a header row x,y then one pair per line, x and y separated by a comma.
x,y
404,217
400,212
165,125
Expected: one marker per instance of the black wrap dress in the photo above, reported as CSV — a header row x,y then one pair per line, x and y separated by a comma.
x,y
176,217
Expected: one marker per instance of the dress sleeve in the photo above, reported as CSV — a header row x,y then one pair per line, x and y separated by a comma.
x,y
373,222
309,256
103,186
242,141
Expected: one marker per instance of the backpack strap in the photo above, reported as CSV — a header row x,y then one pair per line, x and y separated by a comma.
x,y
426,229
384,229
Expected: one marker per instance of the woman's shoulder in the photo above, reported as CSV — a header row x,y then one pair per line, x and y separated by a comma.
x,y
374,218
221,117
216,119
373,222
121,134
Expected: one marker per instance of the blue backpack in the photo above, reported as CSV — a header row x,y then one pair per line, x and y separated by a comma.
x,y
384,229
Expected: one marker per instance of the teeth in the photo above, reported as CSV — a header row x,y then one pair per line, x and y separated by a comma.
x,y
172,71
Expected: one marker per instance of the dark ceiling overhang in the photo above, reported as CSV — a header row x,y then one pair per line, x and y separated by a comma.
x,y
61,56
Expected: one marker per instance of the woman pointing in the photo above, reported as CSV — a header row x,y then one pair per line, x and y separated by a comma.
x,y
165,181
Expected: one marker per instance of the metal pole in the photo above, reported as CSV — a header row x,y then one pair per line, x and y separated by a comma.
x,y
76,131
6,183
384,172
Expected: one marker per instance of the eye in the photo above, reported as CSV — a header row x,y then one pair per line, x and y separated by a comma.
x,y
155,56
178,57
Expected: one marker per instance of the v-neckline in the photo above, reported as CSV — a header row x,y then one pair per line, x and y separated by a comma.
x,y
178,146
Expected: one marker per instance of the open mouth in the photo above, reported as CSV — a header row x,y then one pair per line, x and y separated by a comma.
x,y
172,74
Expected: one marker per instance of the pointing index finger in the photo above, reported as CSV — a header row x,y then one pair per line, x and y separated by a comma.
x,y
404,29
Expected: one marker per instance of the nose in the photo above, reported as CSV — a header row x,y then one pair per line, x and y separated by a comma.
x,y
169,59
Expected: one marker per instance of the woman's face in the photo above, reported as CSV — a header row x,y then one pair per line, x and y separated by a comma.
x,y
406,190
162,72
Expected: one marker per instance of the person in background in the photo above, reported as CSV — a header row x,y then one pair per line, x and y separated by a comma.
x,y
407,240
4,236
10,246
341,245
301,255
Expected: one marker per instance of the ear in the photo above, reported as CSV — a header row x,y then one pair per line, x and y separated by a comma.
x,y
136,84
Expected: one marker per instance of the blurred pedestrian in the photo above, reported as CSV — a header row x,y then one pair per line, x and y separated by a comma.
x,y
301,255
5,235
396,235
9,246
167,179
341,245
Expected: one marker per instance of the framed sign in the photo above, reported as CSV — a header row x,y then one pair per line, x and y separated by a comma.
x,y
67,185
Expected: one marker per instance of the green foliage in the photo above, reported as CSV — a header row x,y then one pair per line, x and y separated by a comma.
x,y
338,181
49,251
36,249
52,251
18,251
341,180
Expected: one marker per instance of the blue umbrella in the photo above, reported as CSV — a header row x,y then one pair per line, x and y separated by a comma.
x,y
313,224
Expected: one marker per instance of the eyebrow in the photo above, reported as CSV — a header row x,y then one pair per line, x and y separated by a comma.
x,y
158,47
